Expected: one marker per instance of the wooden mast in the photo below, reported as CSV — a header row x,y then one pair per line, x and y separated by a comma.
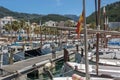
x,y
105,27
97,11
97,36
86,43
40,34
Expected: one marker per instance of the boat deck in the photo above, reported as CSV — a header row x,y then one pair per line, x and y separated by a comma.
x,y
111,62
70,78
110,71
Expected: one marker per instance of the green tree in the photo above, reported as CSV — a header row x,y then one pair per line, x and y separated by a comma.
x,y
37,30
27,28
21,24
68,23
8,27
15,26
92,25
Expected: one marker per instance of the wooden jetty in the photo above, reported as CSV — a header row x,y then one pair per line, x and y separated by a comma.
x,y
22,68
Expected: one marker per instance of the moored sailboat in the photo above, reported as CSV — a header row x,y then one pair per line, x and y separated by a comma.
x,y
90,71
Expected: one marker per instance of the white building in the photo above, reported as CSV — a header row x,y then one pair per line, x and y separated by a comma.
x,y
61,23
114,24
5,20
51,23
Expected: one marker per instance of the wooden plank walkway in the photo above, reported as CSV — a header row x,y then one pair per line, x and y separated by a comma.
x,y
32,61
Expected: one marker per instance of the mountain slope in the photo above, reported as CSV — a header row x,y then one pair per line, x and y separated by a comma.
x,y
54,17
32,17
112,11
73,17
7,12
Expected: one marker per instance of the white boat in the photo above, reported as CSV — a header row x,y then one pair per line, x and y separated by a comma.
x,y
104,71
70,78
16,49
106,53
77,77
27,47
110,62
62,78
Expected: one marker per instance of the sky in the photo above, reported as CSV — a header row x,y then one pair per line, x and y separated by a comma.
x,y
52,6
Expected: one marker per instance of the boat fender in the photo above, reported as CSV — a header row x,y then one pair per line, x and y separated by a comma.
x,y
49,65
76,77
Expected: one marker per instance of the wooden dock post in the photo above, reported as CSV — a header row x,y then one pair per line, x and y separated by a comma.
x,y
66,55
11,56
1,59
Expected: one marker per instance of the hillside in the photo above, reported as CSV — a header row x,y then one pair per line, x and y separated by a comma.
x,y
74,17
32,17
112,10
7,12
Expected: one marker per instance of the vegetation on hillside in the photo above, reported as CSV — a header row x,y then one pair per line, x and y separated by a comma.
x,y
112,11
53,17
32,17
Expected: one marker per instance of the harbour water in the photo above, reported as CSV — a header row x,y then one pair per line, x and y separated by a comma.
x,y
55,71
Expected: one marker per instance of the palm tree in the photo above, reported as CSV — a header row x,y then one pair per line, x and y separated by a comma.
x,y
15,26
8,28
21,25
45,31
37,30
27,28
69,23
92,25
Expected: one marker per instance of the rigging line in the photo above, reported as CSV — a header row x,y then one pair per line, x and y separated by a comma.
x,y
29,55
68,71
19,55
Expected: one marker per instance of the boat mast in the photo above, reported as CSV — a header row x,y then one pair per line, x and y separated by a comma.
x,y
99,5
40,33
97,36
86,43
105,26
97,11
